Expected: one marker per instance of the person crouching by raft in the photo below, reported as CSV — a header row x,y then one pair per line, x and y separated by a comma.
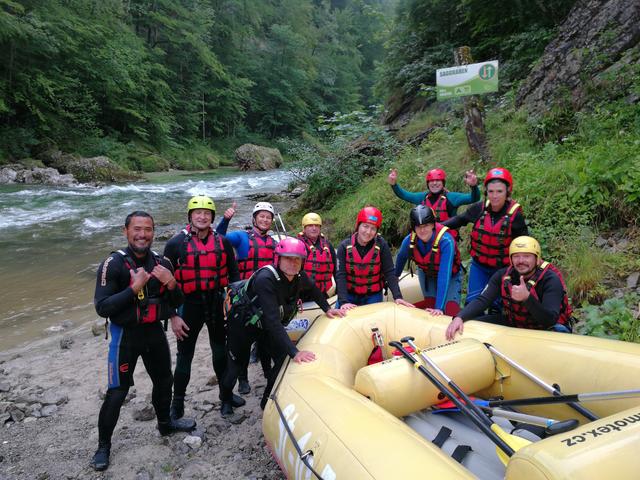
x,y
254,249
365,264
443,202
205,265
320,263
135,290
496,221
262,308
432,248
532,292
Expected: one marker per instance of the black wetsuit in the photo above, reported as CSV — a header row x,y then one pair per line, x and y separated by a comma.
x,y
544,312
200,308
277,299
130,338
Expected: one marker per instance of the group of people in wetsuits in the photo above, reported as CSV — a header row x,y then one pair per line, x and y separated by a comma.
x,y
245,286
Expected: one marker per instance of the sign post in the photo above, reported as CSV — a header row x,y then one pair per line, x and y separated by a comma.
x,y
463,80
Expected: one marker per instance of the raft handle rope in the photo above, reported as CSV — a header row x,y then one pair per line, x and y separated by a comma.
x,y
554,390
304,456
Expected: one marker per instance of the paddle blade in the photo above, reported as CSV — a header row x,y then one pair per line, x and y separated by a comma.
x,y
516,443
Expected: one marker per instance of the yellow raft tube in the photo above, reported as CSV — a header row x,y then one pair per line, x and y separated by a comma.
x,y
344,419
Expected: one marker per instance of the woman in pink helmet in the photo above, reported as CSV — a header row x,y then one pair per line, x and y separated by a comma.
x,y
261,309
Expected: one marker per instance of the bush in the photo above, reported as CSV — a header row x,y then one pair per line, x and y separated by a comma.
x,y
617,318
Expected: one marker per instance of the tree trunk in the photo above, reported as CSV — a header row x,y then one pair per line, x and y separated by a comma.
x,y
473,121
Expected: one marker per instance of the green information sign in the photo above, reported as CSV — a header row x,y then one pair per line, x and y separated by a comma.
x,y
474,79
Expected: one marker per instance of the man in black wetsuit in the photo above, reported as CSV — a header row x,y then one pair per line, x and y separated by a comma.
x,y
263,308
135,289
205,264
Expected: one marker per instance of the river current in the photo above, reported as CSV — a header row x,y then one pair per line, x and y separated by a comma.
x,y
52,239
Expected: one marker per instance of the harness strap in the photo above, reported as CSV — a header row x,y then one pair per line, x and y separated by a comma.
x,y
461,452
442,436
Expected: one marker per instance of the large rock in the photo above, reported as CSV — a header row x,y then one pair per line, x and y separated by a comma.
x,y
16,173
597,37
94,169
255,157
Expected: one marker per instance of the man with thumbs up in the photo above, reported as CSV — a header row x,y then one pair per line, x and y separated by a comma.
x,y
533,294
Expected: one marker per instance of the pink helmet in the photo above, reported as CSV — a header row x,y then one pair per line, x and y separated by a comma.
x,y
290,247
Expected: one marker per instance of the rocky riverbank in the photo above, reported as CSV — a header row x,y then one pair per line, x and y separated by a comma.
x,y
50,395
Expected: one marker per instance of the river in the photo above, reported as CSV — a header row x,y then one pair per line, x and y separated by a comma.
x,y
52,239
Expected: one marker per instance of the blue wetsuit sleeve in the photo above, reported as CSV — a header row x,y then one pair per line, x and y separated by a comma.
x,y
403,255
240,241
411,197
457,198
222,226
447,254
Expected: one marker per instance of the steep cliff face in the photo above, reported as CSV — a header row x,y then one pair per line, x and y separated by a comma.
x,y
598,37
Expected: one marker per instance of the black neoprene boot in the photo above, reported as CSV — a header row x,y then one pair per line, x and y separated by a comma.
x,y
177,408
226,409
176,425
237,401
243,386
100,459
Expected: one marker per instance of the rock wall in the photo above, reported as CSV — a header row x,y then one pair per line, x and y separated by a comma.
x,y
597,36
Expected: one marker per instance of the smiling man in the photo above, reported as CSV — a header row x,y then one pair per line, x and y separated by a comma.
x,y
135,290
532,292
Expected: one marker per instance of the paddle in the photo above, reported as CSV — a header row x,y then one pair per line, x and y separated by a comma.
x,y
578,397
552,427
554,390
505,450
515,443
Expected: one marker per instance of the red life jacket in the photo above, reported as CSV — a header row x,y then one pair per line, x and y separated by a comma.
x,y
319,263
203,267
261,252
430,262
518,315
490,242
147,302
364,274
439,207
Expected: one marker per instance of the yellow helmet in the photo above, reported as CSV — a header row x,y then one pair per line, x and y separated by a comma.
x,y
525,245
311,219
201,201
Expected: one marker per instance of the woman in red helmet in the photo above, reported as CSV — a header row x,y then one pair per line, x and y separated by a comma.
x,y
443,202
365,264
496,222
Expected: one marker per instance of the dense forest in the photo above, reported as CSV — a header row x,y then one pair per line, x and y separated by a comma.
x,y
87,75
90,76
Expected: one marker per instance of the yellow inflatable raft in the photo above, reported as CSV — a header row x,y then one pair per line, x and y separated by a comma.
x,y
339,418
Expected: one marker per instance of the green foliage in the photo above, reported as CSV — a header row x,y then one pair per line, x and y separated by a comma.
x,y
355,148
617,318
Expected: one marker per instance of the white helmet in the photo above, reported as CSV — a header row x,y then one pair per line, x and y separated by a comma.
x,y
263,206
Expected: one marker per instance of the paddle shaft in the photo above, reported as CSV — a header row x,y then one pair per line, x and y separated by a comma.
x,y
456,401
579,397
585,412
454,386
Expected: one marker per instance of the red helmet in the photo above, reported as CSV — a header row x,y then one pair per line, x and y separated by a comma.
x,y
499,174
436,174
290,247
369,215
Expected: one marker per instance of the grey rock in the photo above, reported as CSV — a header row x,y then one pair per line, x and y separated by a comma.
x,y
632,280
601,242
49,410
97,328
144,414
67,324
17,415
4,406
66,342
236,418
4,418
255,157
622,245
143,475
34,410
53,398
194,442
5,387
8,174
